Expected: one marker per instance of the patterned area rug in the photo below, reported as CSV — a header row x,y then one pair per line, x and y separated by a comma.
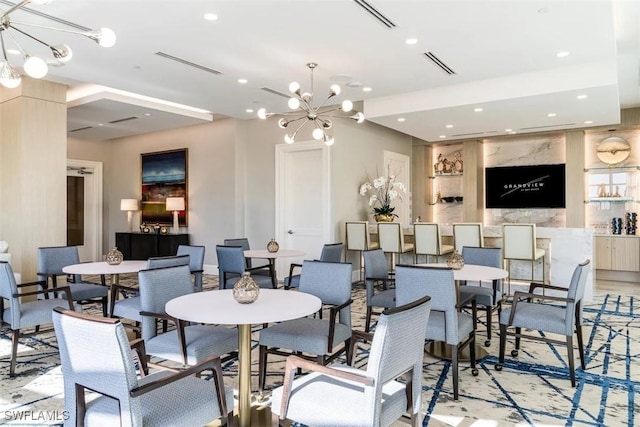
x,y
532,389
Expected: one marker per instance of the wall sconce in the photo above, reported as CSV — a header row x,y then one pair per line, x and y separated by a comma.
x,y
175,204
130,206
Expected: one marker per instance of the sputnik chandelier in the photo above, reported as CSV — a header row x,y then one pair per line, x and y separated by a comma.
x,y
35,66
320,116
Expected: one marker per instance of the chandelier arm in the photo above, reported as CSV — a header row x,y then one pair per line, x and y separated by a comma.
x,y
298,118
14,7
324,102
4,51
46,27
300,127
30,36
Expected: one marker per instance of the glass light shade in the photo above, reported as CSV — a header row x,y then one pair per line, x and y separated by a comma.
x,y
334,90
293,103
283,123
358,117
105,37
175,203
347,106
317,134
62,52
289,139
9,78
129,204
35,67
294,87
307,97
262,113
328,140
327,124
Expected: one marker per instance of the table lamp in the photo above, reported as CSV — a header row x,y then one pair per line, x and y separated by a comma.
x,y
175,204
129,205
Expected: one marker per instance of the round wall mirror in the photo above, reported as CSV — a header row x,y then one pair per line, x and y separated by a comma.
x,y
613,150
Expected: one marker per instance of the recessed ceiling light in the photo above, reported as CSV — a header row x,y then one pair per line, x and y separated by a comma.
x,y
583,96
562,54
551,115
242,81
478,110
366,89
449,126
354,83
588,122
401,119
147,114
508,130
249,110
341,78
443,136
512,133
411,41
100,124
210,16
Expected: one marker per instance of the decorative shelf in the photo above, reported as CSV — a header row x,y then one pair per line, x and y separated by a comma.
x,y
610,200
444,175
612,168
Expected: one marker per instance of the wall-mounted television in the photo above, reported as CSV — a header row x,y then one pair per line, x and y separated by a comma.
x,y
532,186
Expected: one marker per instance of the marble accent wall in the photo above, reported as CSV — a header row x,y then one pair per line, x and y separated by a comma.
x,y
522,151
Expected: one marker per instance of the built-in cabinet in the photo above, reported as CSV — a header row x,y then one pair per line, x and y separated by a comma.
x,y
621,253
142,246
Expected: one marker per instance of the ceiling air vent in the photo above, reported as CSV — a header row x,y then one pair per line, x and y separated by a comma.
x,y
548,126
81,129
444,67
126,119
188,63
375,13
275,92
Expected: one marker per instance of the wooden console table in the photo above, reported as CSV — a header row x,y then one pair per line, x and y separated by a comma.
x,y
141,246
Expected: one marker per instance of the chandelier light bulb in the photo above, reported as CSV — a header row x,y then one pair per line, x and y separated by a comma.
x,y
9,78
334,90
62,52
306,97
327,124
328,140
262,113
294,103
347,106
35,67
317,134
358,117
107,37
294,87
283,123
289,139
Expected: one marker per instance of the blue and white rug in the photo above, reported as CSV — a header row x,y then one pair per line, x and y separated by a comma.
x,y
532,389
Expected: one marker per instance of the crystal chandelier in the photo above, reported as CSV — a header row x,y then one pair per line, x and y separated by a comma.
x,y
320,116
34,66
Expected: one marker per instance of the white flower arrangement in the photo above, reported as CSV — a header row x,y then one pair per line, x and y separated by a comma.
x,y
384,189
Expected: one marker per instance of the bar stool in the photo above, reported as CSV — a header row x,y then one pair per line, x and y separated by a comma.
x,y
519,243
467,234
391,240
427,241
358,239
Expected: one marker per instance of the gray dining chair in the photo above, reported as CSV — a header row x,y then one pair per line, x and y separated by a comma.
x,y
52,259
21,314
376,273
551,314
339,395
446,323
125,398
331,252
261,269
231,266
489,297
196,262
324,338
186,344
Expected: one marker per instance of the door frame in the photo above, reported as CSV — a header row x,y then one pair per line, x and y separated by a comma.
x,y
93,201
282,196
406,202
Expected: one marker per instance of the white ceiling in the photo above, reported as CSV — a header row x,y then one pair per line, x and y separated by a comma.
x,y
503,54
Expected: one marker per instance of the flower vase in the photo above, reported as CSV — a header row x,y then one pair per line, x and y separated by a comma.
x,y
273,246
246,290
114,257
383,217
455,261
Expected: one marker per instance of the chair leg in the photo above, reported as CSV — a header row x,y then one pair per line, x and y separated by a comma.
x,y
367,324
580,342
105,307
14,352
275,420
503,346
454,370
262,367
487,343
572,372
518,330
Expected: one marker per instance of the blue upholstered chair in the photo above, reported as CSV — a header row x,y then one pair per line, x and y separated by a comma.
x,y
124,399
446,323
375,273
331,252
489,297
196,262
340,395
20,314
547,313
231,265
256,270
51,260
327,339
187,344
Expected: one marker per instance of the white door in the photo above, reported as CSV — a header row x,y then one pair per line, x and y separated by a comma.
x,y
302,200
400,165
84,208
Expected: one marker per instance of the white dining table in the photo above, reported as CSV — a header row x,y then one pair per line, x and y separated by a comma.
x,y
272,256
102,268
219,307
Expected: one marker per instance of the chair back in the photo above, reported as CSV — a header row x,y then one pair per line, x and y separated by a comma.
x,y
467,234
519,241
107,368
357,235
375,267
196,256
426,239
242,242
413,282
329,281
157,287
9,288
390,236
52,259
398,344
576,292
167,261
331,252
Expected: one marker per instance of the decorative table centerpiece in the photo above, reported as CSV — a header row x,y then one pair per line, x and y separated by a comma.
x,y
383,190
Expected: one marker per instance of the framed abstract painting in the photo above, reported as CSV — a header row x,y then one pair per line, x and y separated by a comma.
x,y
164,174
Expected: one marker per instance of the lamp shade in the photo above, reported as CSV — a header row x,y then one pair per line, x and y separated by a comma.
x,y
175,203
129,204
